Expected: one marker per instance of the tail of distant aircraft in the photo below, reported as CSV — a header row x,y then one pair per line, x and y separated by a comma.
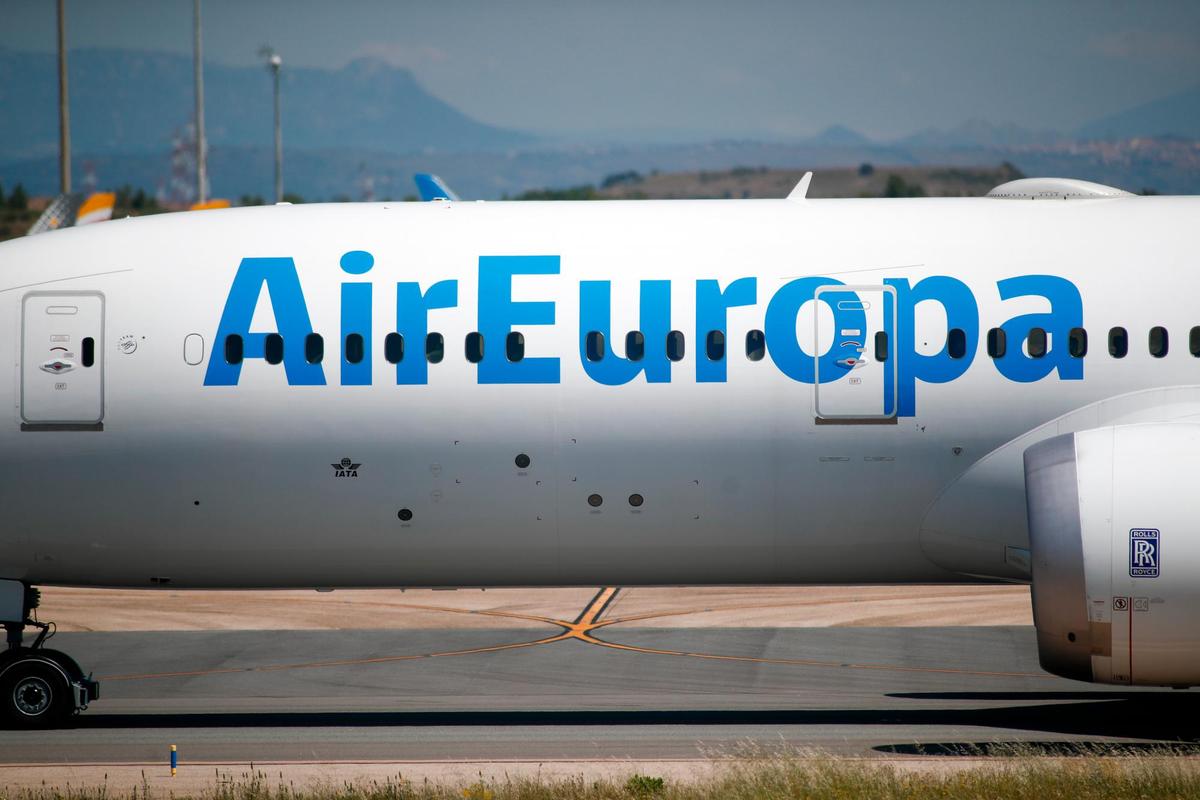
x,y
67,210
219,202
97,208
431,187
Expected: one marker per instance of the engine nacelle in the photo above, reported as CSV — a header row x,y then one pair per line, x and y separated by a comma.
x,y
1114,526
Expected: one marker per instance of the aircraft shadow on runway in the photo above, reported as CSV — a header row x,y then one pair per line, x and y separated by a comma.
x,y
1157,716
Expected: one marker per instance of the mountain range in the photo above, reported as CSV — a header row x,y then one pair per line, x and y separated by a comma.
x,y
364,128
128,101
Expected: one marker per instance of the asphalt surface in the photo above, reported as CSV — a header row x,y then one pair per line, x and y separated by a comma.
x,y
585,689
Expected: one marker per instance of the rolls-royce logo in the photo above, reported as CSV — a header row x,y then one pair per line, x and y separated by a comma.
x,y
345,469
1143,553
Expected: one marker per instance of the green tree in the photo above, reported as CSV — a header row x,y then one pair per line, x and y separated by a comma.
x,y
898,187
1,195
292,197
1011,172
18,200
583,192
617,178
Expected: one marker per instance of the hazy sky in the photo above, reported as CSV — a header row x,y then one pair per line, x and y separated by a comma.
x,y
696,69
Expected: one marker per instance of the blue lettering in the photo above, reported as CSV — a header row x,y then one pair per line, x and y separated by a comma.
x,y
595,314
961,312
498,312
412,322
711,307
291,321
780,328
356,317
1066,312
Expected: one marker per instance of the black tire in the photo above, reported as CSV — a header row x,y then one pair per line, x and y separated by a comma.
x,y
34,694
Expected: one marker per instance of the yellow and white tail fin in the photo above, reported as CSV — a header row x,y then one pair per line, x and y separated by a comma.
x,y
97,208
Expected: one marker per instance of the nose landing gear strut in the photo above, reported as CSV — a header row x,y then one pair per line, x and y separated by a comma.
x,y
39,687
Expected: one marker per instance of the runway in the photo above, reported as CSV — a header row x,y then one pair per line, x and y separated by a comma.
x,y
592,687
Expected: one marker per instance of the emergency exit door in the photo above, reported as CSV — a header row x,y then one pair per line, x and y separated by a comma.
x,y
62,359
855,353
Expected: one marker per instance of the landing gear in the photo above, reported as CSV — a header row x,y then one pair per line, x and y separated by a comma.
x,y
39,687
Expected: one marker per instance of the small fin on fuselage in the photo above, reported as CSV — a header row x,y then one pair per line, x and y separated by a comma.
x,y
800,191
431,187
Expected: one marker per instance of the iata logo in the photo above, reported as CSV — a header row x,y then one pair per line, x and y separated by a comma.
x,y
345,469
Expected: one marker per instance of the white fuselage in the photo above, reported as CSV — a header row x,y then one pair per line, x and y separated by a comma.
x,y
204,485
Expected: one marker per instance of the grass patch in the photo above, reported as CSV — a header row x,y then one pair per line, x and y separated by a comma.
x,y
759,778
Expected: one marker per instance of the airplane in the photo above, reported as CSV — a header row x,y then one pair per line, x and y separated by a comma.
x,y
66,210
431,187
785,391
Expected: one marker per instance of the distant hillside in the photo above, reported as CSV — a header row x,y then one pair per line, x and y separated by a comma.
x,y
1177,115
125,101
1169,166
864,181
840,136
980,133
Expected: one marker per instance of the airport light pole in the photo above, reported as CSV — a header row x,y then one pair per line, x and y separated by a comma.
x,y
64,110
201,143
274,62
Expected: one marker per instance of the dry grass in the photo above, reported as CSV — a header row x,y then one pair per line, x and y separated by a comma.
x,y
1026,776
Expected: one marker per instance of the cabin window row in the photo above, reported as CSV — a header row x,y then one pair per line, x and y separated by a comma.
x,y
1036,345
595,347
473,347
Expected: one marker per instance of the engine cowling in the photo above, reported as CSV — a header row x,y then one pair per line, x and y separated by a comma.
x,y
1114,526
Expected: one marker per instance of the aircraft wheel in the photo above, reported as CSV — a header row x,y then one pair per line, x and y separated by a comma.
x,y
34,694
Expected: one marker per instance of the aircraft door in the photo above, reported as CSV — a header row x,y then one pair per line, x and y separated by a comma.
x,y
855,354
62,359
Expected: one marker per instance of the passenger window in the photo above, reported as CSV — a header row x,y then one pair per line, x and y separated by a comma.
x,y
1118,343
87,353
1037,342
956,342
756,345
1077,342
193,349
714,345
233,349
514,346
435,348
635,346
593,346
997,343
273,348
393,348
1158,341
474,347
881,346
354,348
675,345
1194,341
314,348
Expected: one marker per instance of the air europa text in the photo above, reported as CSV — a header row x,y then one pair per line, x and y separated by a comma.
x,y
499,314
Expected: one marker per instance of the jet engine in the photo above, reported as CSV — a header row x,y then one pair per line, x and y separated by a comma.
x,y
1114,526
